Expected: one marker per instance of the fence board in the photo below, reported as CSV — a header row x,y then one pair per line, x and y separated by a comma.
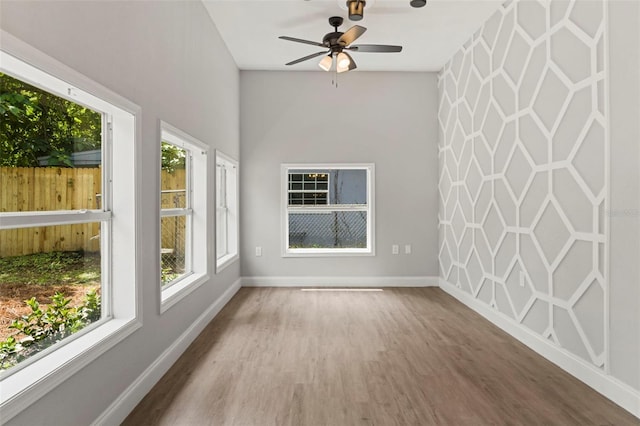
x,y
172,228
46,189
53,188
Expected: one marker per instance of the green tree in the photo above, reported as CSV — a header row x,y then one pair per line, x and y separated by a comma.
x,y
36,123
173,157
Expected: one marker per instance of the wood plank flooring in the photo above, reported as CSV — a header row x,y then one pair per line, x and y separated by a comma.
x,y
277,356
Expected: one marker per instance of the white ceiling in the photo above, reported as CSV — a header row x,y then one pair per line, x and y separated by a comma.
x,y
429,35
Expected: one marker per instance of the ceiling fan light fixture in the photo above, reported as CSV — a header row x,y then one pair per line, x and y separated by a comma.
x,y
344,62
356,9
326,62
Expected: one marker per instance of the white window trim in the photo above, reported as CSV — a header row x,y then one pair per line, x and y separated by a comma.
x,y
327,252
197,251
233,225
21,388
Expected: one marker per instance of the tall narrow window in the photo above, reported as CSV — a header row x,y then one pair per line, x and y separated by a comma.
x,y
328,209
183,194
67,218
175,201
226,210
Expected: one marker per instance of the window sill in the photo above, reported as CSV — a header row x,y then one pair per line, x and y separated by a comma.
x,y
24,387
225,261
180,290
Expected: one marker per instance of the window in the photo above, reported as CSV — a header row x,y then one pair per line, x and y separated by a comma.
x,y
327,209
183,212
226,210
67,216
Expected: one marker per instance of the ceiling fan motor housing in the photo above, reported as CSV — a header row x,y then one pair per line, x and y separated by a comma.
x,y
331,39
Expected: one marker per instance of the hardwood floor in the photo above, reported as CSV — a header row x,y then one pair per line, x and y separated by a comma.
x,y
277,356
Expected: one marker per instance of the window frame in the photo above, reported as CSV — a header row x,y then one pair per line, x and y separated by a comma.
x,y
232,210
26,383
195,211
286,209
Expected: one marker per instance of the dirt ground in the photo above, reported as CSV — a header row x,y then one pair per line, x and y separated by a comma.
x,y
12,297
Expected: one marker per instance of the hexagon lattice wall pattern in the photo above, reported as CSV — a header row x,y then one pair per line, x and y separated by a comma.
x,y
523,153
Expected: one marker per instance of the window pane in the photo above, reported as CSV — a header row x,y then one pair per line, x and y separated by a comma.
x,y
57,269
227,216
328,230
50,151
221,188
295,198
345,186
174,239
174,178
314,198
221,231
348,186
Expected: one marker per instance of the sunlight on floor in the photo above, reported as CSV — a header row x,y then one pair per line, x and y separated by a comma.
x,y
341,289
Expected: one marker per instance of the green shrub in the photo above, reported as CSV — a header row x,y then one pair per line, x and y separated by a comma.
x,y
43,328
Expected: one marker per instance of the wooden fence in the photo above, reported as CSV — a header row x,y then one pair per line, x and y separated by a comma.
x,y
173,228
25,189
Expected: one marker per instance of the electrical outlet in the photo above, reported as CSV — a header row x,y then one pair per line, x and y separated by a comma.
x,y
522,279
258,251
407,249
395,249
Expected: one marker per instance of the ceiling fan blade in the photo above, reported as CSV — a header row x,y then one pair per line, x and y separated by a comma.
x,y
351,35
299,40
313,55
375,48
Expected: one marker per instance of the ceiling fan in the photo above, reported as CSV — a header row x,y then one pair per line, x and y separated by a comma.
x,y
337,42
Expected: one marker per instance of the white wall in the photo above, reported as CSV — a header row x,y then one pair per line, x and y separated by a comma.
x,y
381,118
168,58
624,217
531,206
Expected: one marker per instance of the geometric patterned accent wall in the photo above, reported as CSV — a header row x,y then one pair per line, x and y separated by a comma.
x,y
524,157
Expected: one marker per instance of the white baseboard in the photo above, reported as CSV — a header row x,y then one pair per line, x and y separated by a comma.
x,y
340,281
127,401
617,391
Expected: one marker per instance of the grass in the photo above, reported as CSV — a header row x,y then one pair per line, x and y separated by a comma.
x,y
41,276
51,268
